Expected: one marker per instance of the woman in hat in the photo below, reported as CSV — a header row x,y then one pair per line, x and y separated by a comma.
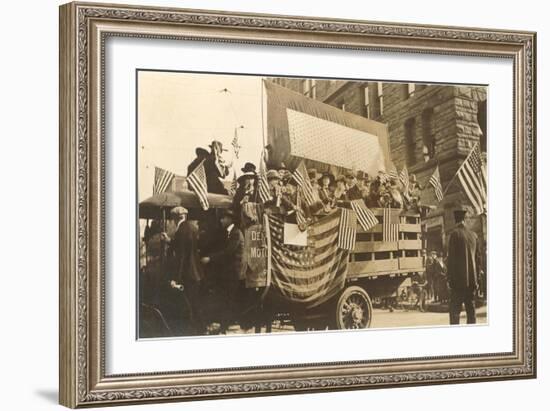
x,y
395,193
284,173
373,199
314,178
341,191
246,191
326,193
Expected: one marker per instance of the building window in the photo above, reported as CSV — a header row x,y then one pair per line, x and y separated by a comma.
x,y
411,88
380,89
367,101
410,141
428,136
309,88
342,105
482,121
408,90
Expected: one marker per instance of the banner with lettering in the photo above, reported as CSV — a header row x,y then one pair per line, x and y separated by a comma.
x,y
255,244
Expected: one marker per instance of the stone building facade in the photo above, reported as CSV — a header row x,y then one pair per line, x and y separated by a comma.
x,y
429,125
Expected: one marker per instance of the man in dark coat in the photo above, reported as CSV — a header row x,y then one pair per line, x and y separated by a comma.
x,y
462,266
185,268
201,155
215,168
230,259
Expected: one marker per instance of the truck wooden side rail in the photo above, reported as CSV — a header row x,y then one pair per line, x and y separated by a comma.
x,y
377,269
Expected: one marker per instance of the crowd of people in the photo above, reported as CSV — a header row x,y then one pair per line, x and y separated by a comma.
x,y
330,190
200,257
436,277
189,262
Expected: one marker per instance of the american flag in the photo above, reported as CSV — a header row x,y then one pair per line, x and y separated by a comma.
x,y
234,183
435,181
263,186
163,179
473,177
300,217
197,182
347,230
235,143
366,217
383,176
386,177
308,275
390,225
301,177
404,179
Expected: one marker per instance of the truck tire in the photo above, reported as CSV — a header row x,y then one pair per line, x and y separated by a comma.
x,y
353,309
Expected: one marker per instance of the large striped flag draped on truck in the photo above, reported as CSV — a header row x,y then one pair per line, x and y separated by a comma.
x,y
310,275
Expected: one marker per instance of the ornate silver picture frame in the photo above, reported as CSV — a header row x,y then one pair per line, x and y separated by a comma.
x,y
85,30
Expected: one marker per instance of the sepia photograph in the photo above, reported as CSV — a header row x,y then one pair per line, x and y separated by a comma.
x,y
271,204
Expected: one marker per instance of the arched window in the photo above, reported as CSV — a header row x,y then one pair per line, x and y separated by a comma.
x,y
410,141
428,136
482,121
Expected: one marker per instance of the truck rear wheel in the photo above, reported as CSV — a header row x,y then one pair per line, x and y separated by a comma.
x,y
353,309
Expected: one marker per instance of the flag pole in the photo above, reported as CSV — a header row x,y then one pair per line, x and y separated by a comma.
x,y
459,168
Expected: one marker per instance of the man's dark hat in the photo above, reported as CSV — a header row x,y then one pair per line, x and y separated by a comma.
x,y
217,143
459,212
201,152
313,174
249,168
361,175
249,171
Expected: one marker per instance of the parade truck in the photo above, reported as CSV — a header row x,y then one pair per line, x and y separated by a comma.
x,y
317,285
305,274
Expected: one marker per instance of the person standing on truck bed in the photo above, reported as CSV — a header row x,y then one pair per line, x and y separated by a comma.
x,y
354,193
216,168
462,265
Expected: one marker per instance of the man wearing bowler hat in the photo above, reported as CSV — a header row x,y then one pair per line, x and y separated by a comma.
x,y
462,266
231,261
186,270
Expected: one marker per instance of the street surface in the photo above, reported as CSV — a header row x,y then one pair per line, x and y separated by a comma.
x,y
384,319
